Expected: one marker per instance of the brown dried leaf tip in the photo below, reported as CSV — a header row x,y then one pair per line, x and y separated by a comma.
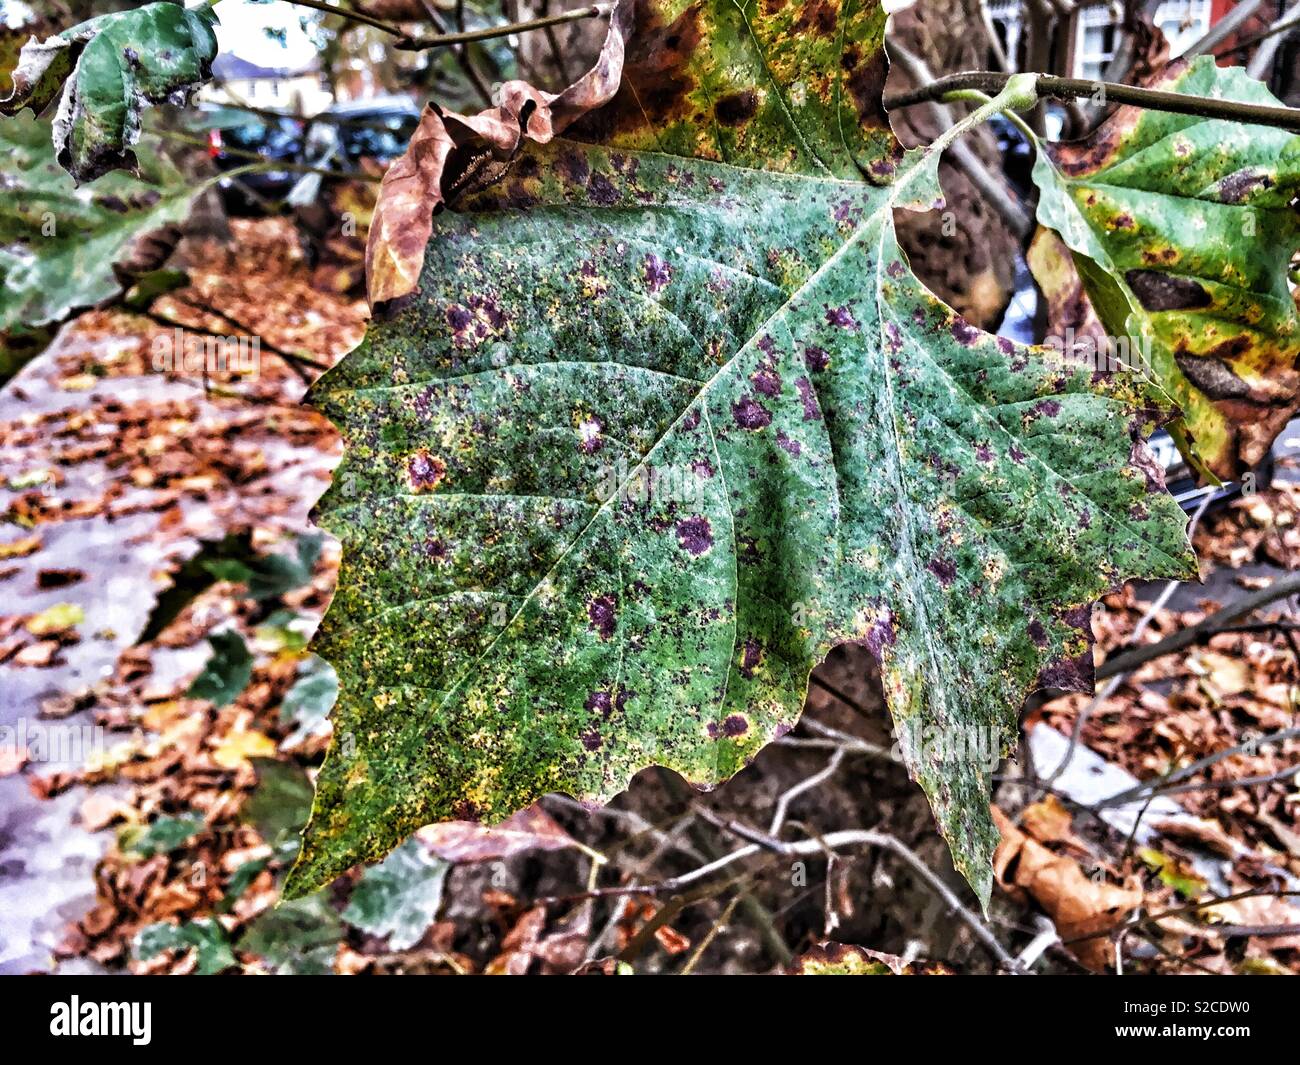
x,y
448,152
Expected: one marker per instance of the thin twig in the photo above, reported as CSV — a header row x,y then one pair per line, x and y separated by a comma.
x,y
1164,783
990,81
807,784
865,837
463,59
444,40
352,15
1130,660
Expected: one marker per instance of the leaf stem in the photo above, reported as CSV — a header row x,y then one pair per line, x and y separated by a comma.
x,y
977,97
989,81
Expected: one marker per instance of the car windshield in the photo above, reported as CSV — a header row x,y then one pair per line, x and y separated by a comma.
x,y
278,140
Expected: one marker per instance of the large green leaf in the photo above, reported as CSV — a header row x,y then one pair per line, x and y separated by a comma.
x,y
109,69
58,243
1183,230
664,426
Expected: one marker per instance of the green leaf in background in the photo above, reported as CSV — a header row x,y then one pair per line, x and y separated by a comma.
x,y
1183,231
399,897
205,936
307,704
162,836
270,576
58,243
226,673
279,805
109,69
671,418
297,938
152,285
282,631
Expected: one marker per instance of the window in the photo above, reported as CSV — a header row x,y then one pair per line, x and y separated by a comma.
x,y
1096,36
1008,24
1183,22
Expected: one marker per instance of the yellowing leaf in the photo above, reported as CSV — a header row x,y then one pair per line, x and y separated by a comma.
x,y
58,618
239,746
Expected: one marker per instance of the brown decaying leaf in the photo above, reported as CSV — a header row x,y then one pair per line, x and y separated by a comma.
x,y
448,153
468,841
1077,904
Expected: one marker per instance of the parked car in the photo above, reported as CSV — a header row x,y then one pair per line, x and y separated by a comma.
x,y
375,129
232,136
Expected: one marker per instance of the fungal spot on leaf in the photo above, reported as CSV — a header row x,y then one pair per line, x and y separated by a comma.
x,y
1158,291
842,317
816,358
817,16
589,430
599,702
1213,376
602,191
657,273
811,408
751,656
750,414
766,380
944,570
964,332
1236,188
736,108
732,726
424,471
474,323
601,614
881,634
695,535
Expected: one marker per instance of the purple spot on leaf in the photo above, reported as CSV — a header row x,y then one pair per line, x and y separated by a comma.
x,y
750,414
601,615
695,535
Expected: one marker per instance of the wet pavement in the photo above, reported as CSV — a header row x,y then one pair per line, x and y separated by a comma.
x,y
47,857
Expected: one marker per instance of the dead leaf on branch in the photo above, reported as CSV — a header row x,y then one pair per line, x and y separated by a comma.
x,y
450,154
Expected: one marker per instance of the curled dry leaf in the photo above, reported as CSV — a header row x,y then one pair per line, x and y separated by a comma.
x,y
1077,904
451,153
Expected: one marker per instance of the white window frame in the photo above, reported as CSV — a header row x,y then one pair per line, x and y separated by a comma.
x,y
1188,21
1092,17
